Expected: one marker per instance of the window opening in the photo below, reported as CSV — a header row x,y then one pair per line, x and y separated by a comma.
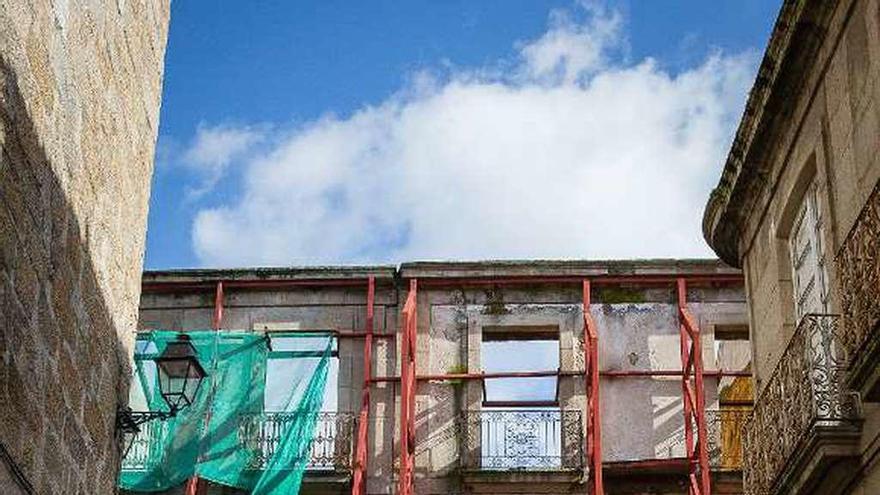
x,y
520,355
521,425
735,395
292,357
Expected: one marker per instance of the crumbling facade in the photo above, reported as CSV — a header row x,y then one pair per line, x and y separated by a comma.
x,y
798,208
487,377
80,84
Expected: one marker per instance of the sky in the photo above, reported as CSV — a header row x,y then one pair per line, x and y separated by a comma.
x,y
376,132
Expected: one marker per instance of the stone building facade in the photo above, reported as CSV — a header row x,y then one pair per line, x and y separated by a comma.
x,y
495,435
80,85
798,208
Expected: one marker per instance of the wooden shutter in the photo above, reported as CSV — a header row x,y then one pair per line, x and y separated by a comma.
x,y
808,258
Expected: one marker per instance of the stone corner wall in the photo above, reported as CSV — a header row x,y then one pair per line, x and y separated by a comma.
x,y
80,86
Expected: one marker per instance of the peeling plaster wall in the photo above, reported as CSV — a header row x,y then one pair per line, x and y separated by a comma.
x,y
642,417
313,308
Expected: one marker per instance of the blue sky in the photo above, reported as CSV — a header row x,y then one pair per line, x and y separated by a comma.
x,y
343,132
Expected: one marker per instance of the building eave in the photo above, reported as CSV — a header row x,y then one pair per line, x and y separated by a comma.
x,y
563,268
379,272
797,37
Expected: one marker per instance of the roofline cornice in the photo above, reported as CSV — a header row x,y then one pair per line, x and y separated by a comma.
x,y
797,37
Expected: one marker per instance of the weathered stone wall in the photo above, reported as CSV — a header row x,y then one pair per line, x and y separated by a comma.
x,y
80,84
831,138
638,328
823,130
317,308
643,417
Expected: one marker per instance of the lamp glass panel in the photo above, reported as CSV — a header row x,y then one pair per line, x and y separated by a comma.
x,y
175,376
191,387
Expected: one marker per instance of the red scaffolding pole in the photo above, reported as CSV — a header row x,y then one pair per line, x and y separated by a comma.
x,y
358,486
693,397
196,485
408,392
594,420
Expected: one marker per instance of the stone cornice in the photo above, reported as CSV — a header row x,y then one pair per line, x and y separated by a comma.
x,y
791,52
447,269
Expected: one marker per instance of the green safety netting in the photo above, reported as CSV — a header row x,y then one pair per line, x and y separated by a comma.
x,y
224,436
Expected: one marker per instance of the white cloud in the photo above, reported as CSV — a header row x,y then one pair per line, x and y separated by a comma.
x,y
569,50
212,150
565,153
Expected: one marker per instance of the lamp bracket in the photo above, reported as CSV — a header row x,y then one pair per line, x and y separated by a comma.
x,y
128,421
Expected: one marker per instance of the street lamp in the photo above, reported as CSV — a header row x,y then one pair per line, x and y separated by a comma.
x,y
180,375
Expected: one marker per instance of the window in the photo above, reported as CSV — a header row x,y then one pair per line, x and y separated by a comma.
x,y
292,360
521,426
807,256
735,394
520,349
292,363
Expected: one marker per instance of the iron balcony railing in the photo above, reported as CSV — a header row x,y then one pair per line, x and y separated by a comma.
x,y
858,270
331,447
806,390
144,446
513,440
260,434
724,437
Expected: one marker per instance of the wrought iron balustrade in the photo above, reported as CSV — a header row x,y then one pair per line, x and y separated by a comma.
x,y
260,433
806,390
510,440
331,445
858,270
144,446
724,437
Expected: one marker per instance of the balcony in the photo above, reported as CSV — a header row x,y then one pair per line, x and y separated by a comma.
x,y
804,420
260,434
724,437
858,269
522,440
331,446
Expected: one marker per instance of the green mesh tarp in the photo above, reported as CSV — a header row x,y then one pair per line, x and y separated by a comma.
x,y
222,436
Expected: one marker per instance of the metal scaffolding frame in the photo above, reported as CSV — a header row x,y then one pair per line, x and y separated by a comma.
x,y
408,384
593,436
359,477
693,396
692,373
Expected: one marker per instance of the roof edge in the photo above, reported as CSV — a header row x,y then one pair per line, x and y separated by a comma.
x,y
562,268
448,270
722,221
329,272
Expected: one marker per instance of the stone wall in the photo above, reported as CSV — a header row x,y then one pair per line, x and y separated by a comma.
x,y
814,120
638,332
830,138
315,307
80,85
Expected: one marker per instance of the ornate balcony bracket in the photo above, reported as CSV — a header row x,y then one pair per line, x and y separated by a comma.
x,y
858,268
805,419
